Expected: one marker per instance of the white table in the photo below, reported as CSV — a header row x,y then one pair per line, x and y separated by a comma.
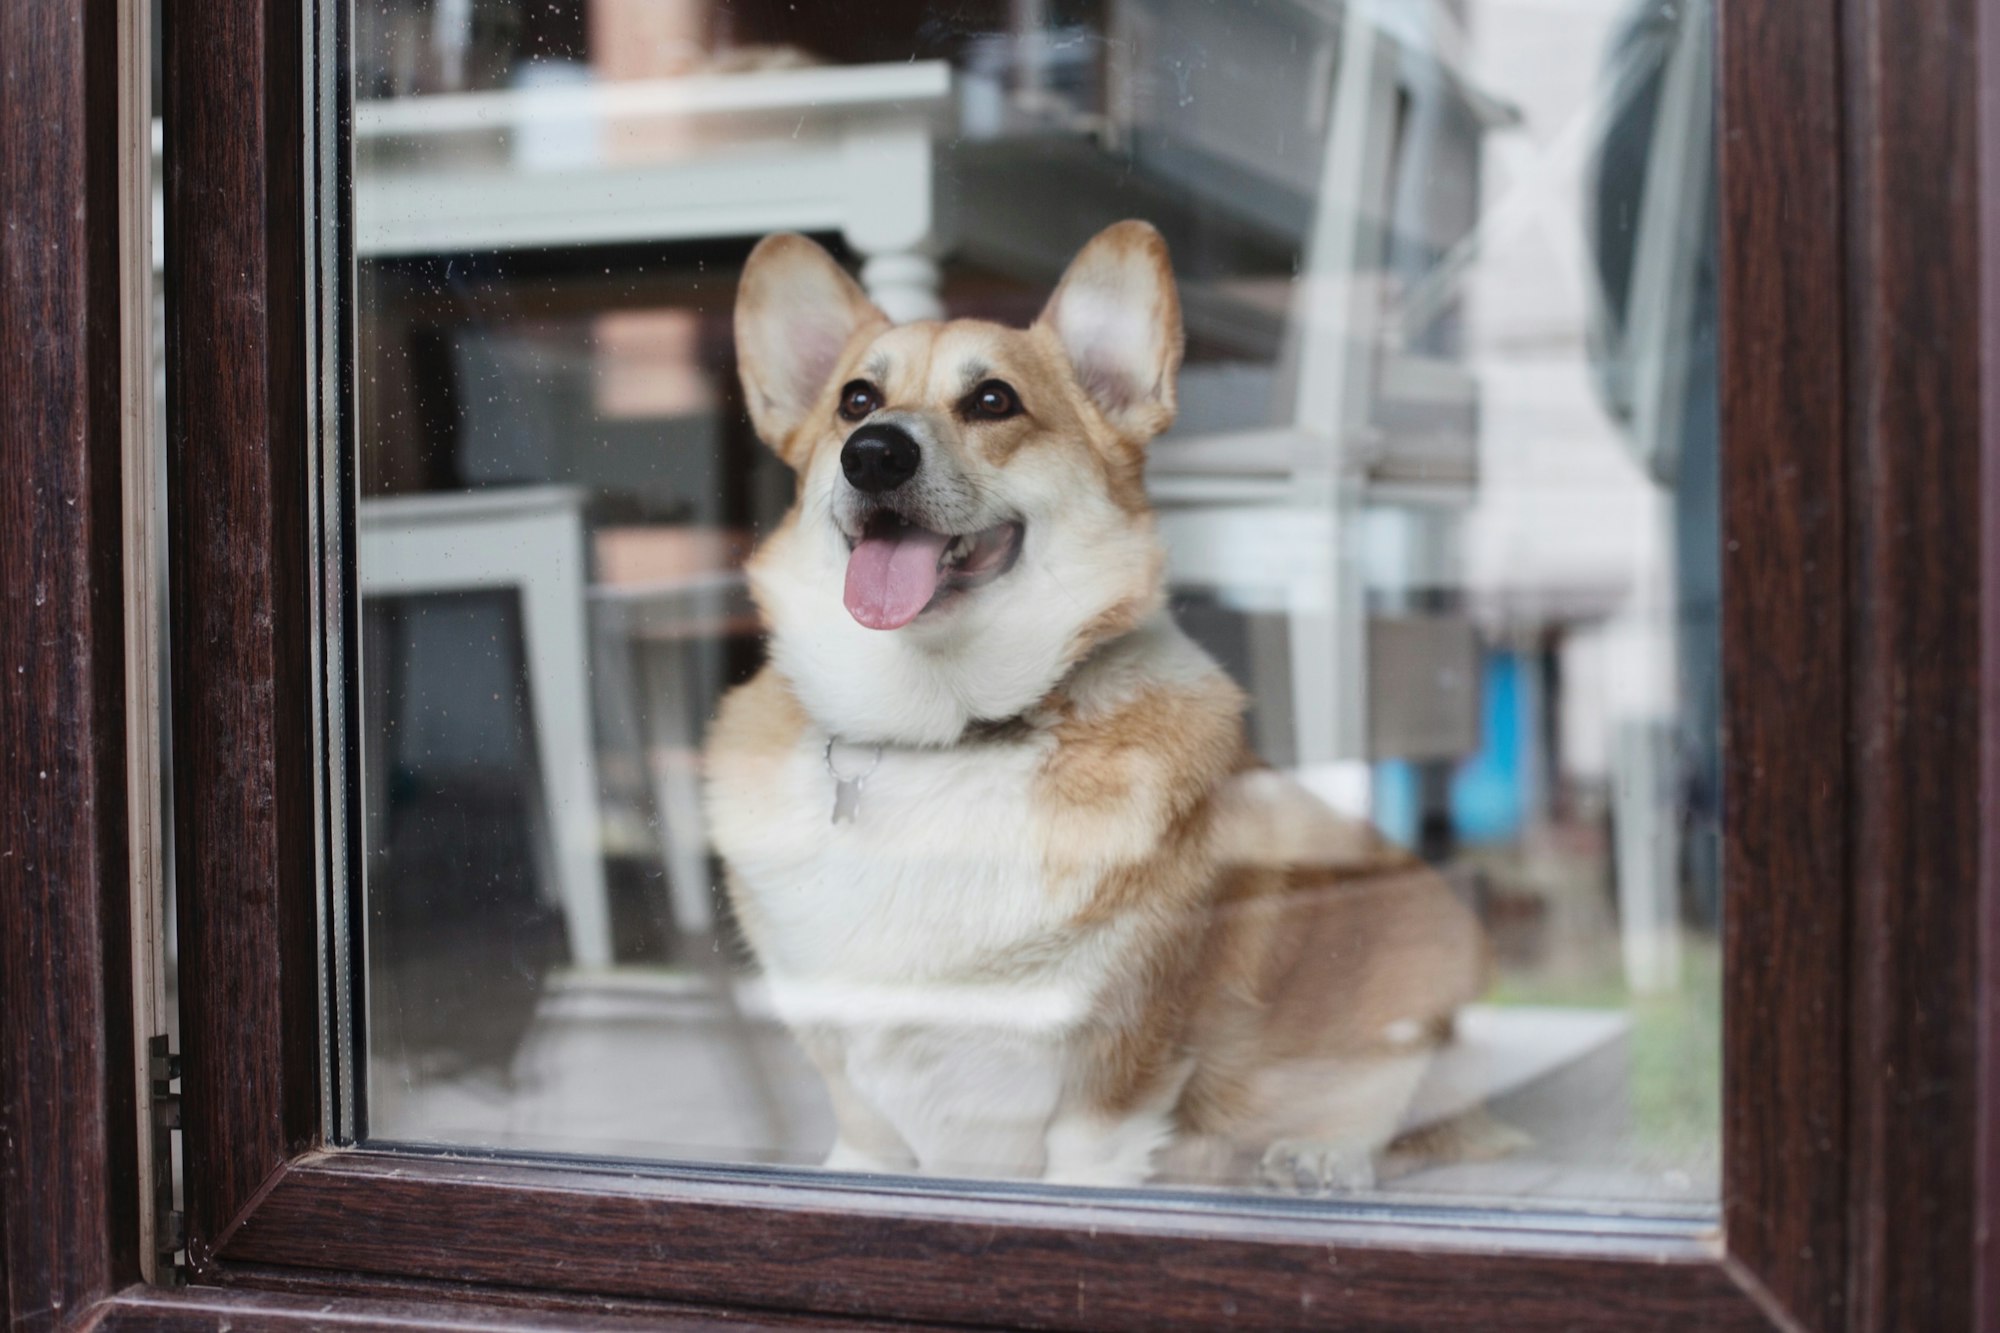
x,y
841,148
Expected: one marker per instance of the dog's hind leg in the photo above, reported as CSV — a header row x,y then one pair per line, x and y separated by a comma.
x,y
1325,1120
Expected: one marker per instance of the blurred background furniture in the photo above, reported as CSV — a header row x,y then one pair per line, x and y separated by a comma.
x,y
664,602
829,149
530,540
1340,513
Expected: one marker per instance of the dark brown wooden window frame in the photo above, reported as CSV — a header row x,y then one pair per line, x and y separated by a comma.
x,y
1860,222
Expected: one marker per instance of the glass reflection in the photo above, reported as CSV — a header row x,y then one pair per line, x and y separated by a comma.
x,y
1436,511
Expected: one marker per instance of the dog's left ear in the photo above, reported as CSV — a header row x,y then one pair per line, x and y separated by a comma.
x,y
796,311
1118,317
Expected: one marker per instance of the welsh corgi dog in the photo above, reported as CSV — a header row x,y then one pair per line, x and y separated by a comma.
x,y
989,819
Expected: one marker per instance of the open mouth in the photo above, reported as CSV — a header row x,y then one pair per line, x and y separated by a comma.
x,y
896,570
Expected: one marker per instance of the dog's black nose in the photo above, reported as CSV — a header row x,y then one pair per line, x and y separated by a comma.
x,y
880,457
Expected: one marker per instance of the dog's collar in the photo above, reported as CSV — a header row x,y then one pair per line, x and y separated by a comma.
x,y
847,786
996,729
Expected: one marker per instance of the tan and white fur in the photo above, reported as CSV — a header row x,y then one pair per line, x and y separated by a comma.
x,y
1073,931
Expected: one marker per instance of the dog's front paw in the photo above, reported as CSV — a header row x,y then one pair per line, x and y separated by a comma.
x,y
846,1157
1309,1167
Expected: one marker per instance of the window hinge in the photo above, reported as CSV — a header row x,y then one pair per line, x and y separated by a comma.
x,y
169,1226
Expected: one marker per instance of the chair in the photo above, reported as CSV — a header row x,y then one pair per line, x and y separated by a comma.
x,y
1276,514
666,599
529,539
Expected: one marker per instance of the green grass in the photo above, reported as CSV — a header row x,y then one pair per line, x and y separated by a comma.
x,y
1676,1044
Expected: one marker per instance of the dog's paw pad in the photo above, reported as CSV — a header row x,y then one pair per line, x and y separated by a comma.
x,y
1308,1167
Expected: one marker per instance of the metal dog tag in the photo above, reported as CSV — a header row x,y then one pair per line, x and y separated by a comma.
x,y
846,789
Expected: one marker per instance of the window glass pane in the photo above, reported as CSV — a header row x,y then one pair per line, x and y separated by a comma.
x,y
1320,797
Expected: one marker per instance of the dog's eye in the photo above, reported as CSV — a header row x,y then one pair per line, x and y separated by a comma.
x,y
992,401
858,399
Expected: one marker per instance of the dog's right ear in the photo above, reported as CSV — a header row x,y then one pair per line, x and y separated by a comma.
x,y
796,311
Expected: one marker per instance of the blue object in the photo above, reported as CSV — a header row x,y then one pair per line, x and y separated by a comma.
x,y
1489,791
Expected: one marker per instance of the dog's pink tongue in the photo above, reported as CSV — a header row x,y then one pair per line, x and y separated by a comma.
x,y
892,577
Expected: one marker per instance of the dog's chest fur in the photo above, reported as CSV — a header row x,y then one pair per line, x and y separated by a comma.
x,y
944,950
938,876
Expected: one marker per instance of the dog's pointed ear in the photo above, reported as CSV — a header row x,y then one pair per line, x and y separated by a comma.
x,y
1118,317
796,311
